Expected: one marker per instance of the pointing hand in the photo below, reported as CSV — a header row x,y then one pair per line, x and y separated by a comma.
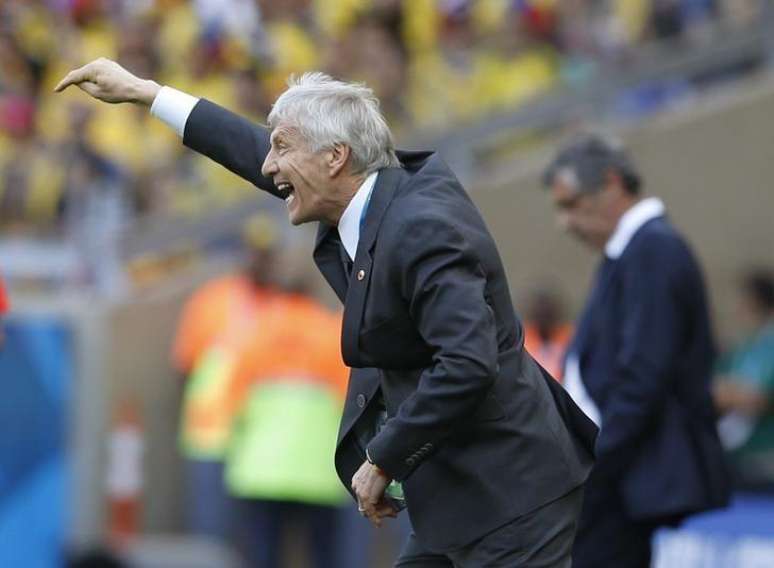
x,y
107,81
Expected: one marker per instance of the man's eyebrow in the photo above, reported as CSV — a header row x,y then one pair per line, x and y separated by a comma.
x,y
281,136
568,200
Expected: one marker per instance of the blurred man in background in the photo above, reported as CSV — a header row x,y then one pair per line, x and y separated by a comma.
x,y
214,332
290,388
546,333
640,362
744,390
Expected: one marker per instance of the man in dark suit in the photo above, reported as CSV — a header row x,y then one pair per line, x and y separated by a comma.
x,y
446,413
640,361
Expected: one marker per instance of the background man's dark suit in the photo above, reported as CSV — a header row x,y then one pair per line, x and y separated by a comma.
x,y
645,350
478,433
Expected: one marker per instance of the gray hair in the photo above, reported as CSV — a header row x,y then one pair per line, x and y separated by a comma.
x,y
329,112
585,161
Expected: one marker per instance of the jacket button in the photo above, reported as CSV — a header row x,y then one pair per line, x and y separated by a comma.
x,y
410,462
360,274
361,400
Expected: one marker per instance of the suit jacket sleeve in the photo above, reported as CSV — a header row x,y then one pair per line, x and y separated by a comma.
x,y
651,328
232,141
444,285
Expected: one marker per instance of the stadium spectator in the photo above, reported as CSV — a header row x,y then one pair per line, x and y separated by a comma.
x,y
213,335
372,51
640,362
546,333
744,389
88,191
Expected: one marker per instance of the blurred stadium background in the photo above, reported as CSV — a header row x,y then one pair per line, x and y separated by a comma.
x,y
107,223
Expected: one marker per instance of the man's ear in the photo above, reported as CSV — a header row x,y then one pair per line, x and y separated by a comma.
x,y
338,156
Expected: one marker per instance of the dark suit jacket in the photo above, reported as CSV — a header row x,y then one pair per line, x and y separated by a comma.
x,y
646,353
477,432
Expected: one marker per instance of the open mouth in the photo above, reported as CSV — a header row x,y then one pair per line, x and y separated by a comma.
x,y
287,191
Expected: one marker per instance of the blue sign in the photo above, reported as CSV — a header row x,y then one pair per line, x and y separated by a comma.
x,y
36,377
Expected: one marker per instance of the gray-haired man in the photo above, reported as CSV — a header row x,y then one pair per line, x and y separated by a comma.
x,y
640,362
490,452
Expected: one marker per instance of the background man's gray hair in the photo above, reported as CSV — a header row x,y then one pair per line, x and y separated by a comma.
x,y
328,112
586,160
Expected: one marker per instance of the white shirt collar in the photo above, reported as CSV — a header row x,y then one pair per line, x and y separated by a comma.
x,y
349,224
631,222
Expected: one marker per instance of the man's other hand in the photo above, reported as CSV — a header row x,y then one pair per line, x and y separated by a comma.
x,y
107,81
733,395
369,483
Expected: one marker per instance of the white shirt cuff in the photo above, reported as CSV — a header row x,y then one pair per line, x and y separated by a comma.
x,y
173,107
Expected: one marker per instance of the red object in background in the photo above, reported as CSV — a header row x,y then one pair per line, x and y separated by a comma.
x,y
549,353
539,21
4,304
124,474
85,11
17,115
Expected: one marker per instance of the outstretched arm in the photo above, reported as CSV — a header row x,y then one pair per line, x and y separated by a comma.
x,y
213,131
233,142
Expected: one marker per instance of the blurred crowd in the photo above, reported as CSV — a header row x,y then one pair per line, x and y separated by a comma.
x,y
69,167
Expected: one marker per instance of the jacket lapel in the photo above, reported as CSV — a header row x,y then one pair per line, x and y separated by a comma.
x,y
585,330
354,303
327,257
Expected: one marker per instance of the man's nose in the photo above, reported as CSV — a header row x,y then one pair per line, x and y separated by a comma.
x,y
563,221
269,167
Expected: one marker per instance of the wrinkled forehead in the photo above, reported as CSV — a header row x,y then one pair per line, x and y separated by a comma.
x,y
289,134
286,132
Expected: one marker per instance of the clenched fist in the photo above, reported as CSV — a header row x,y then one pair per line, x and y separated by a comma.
x,y
107,81
369,484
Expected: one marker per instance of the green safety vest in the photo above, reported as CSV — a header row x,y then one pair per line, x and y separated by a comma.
x,y
206,419
283,443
